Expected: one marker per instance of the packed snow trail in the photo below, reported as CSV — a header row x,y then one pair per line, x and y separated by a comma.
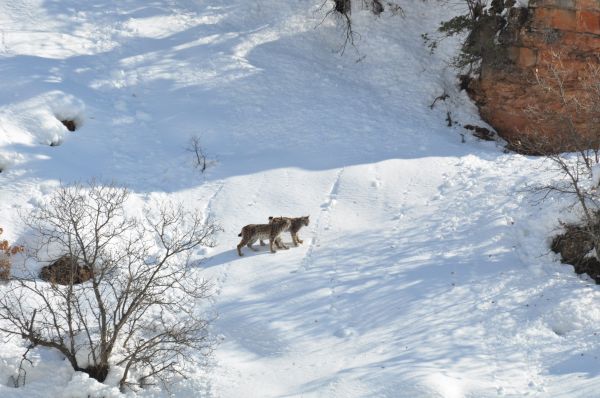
x,y
425,270
387,285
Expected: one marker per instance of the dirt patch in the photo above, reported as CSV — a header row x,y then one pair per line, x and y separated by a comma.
x,y
97,372
71,125
481,132
574,246
66,271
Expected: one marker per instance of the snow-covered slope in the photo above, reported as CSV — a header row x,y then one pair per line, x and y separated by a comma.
x,y
425,270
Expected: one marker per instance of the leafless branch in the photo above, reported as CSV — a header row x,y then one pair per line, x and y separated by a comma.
x,y
568,102
22,373
200,159
141,306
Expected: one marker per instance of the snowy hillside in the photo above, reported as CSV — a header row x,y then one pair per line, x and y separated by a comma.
x,y
425,270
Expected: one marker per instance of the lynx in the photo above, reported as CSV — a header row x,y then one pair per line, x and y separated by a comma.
x,y
296,223
253,232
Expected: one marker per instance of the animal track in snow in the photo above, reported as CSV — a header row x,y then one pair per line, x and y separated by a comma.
x,y
327,205
209,203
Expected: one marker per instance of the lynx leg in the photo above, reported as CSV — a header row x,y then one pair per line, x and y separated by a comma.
x,y
250,245
240,245
279,243
262,243
296,239
282,244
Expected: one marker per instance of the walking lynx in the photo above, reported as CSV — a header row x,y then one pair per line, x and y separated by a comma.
x,y
296,223
253,232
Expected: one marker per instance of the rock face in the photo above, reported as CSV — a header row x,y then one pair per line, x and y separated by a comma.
x,y
537,85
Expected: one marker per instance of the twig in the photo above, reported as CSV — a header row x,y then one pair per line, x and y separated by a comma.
x,y
22,372
442,97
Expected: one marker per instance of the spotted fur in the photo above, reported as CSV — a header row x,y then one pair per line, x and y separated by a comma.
x,y
296,223
253,232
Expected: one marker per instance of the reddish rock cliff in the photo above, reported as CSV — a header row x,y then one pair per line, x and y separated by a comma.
x,y
551,42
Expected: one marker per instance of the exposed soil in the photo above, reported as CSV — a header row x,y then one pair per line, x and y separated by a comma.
x,y
66,271
481,132
97,372
574,245
71,125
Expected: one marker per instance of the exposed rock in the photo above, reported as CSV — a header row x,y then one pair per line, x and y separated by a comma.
x,y
533,39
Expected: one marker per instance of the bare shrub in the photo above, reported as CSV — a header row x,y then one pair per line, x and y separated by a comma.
x,y
570,101
140,312
6,252
342,11
201,162
559,120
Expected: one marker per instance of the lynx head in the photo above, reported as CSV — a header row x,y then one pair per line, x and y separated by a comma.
x,y
305,221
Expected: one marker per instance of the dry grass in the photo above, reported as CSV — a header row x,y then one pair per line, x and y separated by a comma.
x,y
6,252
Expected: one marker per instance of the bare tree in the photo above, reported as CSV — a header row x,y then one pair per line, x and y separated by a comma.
x,y
140,313
195,147
342,9
565,121
343,6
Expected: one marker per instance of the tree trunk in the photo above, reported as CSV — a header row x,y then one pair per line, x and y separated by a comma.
x,y
343,6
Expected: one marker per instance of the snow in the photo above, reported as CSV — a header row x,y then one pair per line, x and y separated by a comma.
x,y
595,175
425,270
